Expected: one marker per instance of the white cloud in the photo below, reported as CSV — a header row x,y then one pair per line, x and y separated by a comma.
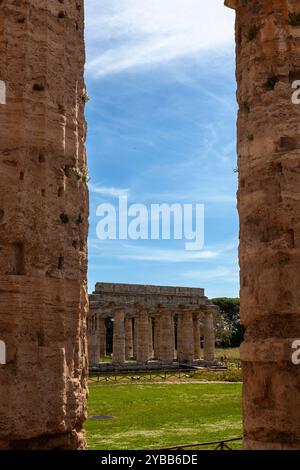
x,y
109,192
117,250
123,34
225,273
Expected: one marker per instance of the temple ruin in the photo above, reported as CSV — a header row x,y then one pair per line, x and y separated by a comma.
x,y
43,225
150,324
268,64
43,231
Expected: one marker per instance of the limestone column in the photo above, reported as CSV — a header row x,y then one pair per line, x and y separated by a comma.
x,y
102,337
179,335
197,344
166,336
268,63
43,256
134,337
156,338
186,336
119,336
150,338
209,335
142,353
128,338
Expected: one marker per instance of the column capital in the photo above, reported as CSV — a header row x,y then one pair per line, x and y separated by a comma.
x,y
165,309
118,309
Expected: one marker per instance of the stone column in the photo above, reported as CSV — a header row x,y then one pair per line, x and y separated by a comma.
x,y
102,337
151,338
128,338
196,328
166,336
268,63
209,336
156,338
134,337
186,336
43,256
142,353
119,336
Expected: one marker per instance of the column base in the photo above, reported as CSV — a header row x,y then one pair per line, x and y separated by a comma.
x,y
73,440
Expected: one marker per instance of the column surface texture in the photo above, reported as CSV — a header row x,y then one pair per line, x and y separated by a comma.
x,y
142,352
43,225
102,337
128,338
197,339
186,337
119,337
209,336
268,63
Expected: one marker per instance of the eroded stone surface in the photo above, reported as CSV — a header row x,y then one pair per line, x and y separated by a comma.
x,y
268,61
43,225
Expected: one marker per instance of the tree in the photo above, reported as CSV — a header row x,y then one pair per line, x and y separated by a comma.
x,y
230,314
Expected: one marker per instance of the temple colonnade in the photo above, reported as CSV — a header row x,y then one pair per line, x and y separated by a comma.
x,y
150,323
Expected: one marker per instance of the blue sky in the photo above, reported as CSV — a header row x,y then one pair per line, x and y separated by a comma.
x,y
161,123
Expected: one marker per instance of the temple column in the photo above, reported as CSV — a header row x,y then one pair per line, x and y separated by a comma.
x,y
128,338
209,336
93,349
119,336
142,353
156,338
166,336
102,337
151,338
134,321
267,71
197,343
186,336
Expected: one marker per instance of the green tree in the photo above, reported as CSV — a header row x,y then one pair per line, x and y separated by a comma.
x,y
230,313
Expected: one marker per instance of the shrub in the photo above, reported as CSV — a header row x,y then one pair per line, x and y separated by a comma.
x,y
294,18
64,218
252,33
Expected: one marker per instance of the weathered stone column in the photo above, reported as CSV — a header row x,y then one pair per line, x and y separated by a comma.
x,y
186,336
128,338
156,338
134,321
43,256
142,354
119,336
209,335
94,342
151,353
268,62
102,337
196,328
166,336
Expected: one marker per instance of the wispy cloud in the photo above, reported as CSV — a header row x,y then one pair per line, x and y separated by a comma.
x,y
125,34
108,192
225,273
125,251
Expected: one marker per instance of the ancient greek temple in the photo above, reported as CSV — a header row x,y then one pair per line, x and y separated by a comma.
x,y
151,323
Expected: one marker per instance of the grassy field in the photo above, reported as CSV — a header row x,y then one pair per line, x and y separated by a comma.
x,y
233,354
158,416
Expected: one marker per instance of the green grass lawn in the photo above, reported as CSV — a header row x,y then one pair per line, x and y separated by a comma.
x,y
158,416
233,354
